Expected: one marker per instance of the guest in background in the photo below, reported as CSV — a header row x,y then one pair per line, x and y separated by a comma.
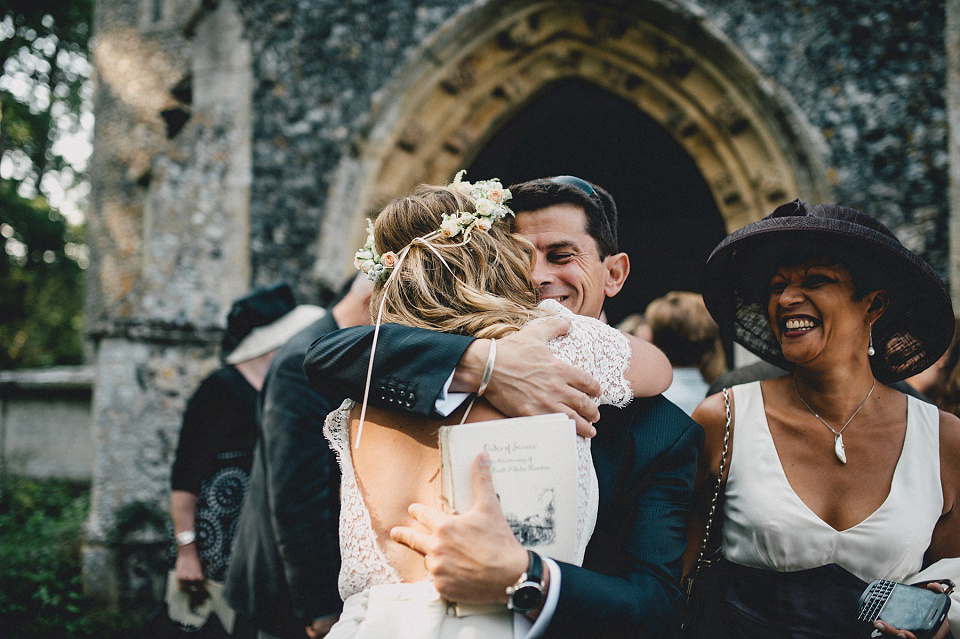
x,y
680,325
941,382
635,325
283,575
214,453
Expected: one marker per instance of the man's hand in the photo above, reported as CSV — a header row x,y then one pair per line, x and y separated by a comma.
x,y
528,380
473,557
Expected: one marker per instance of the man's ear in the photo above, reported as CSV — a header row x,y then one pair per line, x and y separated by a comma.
x,y
618,268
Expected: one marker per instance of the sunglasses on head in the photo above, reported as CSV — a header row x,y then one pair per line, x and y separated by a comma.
x,y
571,180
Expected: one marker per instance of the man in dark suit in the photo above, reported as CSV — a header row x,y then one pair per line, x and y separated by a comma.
x,y
644,455
283,576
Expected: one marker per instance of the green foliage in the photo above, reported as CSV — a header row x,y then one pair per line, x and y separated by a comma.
x,y
41,289
44,98
40,583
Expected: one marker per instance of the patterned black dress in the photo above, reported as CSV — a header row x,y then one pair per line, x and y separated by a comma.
x,y
213,461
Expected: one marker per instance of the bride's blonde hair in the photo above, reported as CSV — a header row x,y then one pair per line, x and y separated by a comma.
x,y
481,288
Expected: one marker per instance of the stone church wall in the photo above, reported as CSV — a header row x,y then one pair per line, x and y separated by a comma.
x,y
869,76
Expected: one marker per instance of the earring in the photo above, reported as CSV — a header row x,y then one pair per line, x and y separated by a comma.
x,y
871,351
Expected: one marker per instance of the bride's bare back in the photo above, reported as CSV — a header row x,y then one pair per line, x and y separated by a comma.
x,y
397,464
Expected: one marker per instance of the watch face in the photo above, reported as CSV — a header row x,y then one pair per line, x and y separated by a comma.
x,y
527,597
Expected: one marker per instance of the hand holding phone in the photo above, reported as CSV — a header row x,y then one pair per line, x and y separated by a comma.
x,y
913,609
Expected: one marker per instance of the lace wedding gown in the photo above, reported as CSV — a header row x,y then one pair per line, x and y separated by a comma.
x,y
377,602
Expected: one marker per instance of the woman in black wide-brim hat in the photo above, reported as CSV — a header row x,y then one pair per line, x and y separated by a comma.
x,y
832,478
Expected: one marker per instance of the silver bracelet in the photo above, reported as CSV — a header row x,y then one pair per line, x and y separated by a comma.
x,y
488,369
185,538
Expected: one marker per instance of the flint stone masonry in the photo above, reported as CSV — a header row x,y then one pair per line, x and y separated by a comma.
x,y
317,69
869,76
233,141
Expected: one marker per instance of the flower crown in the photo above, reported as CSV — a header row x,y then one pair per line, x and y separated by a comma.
x,y
489,202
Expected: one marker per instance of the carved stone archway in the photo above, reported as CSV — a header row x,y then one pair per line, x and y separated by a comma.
x,y
747,140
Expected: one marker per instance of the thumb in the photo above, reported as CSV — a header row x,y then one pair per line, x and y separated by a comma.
x,y
553,327
484,495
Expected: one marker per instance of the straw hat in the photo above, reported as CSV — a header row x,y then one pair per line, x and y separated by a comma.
x,y
912,333
262,321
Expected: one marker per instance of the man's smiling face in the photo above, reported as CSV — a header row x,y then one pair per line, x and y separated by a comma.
x,y
569,268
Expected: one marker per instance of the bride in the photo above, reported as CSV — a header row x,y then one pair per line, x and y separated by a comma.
x,y
444,258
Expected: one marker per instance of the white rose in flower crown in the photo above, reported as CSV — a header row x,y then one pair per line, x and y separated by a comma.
x,y
484,206
484,224
389,259
450,226
495,195
464,187
367,265
466,218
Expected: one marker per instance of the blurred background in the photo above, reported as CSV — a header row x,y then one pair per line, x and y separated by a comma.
x,y
159,158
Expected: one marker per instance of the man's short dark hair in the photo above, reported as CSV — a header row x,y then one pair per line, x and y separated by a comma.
x,y
596,202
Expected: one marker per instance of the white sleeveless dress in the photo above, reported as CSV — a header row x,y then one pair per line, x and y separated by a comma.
x,y
376,601
766,524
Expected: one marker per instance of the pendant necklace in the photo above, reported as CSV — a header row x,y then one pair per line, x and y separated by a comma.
x,y
838,448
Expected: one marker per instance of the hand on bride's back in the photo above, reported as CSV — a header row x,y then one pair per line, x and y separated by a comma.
x,y
472,557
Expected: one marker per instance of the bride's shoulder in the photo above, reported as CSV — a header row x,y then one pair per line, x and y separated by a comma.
x,y
555,307
581,326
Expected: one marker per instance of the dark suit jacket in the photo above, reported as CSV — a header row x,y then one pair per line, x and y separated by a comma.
x,y
286,555
645,456
409,370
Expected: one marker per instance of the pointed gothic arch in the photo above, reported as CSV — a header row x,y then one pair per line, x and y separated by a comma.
x,y
747,139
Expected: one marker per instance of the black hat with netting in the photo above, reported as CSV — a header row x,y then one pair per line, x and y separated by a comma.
x,y
914,330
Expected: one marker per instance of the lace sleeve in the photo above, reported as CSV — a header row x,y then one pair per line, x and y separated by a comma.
x,y
336,428
597,349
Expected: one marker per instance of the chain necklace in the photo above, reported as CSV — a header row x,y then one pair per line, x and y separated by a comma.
x,y
838,448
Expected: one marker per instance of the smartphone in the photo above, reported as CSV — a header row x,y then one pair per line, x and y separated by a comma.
x,y
919,610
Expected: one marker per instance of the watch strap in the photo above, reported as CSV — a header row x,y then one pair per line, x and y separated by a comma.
x,y
534,568
527,593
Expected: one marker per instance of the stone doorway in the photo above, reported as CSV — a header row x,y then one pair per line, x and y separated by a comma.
x,y
669,222
673,83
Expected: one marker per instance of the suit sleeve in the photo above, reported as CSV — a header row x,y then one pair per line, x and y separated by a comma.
x,y
303,488
410,368
632,589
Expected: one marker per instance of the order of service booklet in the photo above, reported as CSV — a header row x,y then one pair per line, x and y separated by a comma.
x,y
534,466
